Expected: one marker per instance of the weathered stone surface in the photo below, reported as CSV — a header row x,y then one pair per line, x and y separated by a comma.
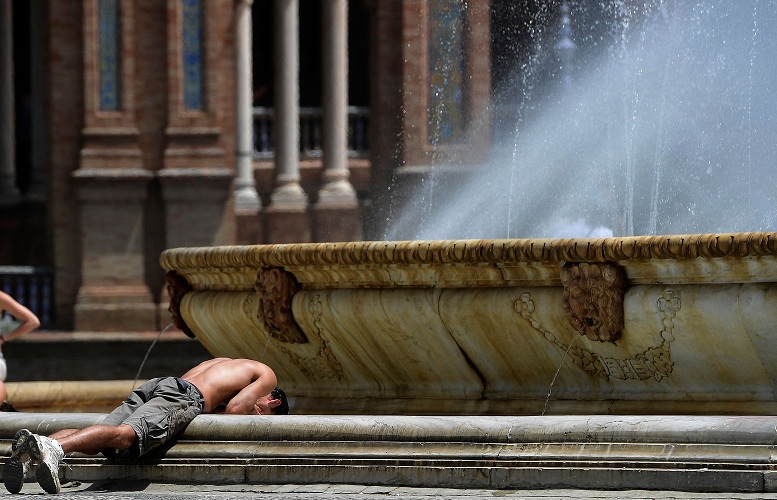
x,y
463,327
692,453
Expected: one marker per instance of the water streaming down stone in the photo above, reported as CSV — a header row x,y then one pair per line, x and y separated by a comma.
x,y
555,375
667,127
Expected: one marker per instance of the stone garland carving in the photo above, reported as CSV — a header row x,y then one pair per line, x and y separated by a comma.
x,y
593,299
275,289
654,362
324,365
177,287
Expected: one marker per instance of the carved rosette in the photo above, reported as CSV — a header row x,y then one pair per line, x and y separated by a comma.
x,y
177,287
593,299
275,289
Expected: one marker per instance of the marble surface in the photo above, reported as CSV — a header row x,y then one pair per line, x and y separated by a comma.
x,y
479,327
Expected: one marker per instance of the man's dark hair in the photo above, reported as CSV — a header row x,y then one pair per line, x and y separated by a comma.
x,y
283,408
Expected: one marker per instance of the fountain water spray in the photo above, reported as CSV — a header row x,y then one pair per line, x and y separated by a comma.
x,y
143,363
667,128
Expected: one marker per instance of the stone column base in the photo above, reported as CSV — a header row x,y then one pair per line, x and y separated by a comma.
x,y
195,203
116,309
113,295
249,228
336,223
286,225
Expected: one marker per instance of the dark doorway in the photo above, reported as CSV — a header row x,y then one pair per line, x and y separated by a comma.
x,y
22,56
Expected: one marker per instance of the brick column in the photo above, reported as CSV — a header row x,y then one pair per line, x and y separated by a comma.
x,y
111,181
198,165
386,121
113,295
336,213
421,147
286,218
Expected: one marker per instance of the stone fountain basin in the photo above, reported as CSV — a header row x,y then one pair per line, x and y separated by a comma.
x,y
681,324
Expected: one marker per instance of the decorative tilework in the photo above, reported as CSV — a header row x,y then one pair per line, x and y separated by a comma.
x,y
109,54
191,33
447,43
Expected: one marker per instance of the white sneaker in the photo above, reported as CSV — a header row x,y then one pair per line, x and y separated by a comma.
x,y
16,467
48,454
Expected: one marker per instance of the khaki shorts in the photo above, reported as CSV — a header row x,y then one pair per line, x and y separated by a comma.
x,y
157,411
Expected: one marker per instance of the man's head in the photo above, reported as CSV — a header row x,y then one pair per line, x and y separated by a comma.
x,y
283,407
274,403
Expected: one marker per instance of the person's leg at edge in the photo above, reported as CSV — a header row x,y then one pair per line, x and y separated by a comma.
x,y
95,438
16,466
49,452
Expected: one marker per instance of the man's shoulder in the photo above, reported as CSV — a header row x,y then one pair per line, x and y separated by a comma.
x,y
255,367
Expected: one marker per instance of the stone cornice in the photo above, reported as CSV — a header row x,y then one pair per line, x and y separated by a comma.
x,y
478,251
457,263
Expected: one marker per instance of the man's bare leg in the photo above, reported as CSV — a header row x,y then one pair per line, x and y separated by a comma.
x,y
95,438
49,452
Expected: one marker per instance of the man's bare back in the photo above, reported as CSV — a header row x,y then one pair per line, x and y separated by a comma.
x,y
237,383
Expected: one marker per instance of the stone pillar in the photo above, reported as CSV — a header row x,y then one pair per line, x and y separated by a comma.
x,y
198,173
247,203
195,204
113,295
111,180
9,194
336,213
286,218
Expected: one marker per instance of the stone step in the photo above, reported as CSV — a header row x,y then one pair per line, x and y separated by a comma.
x,y
686,453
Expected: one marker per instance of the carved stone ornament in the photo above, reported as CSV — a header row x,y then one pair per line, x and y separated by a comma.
x,y
177,286
275,289
652,363
593,299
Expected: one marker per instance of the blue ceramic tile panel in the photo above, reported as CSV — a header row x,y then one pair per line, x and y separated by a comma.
x,y
446,107
109,54
192,54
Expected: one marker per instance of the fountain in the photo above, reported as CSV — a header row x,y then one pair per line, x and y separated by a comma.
x,y
642,362
668,324
500,322
482,326
462,356
666,128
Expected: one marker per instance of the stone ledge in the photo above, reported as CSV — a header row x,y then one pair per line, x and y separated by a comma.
x,y
69,396
99,356
711,454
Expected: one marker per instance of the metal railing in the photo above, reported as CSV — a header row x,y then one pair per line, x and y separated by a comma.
x,y
33,287
310,127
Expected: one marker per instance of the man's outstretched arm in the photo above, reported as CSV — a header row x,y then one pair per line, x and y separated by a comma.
x,y
245,401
